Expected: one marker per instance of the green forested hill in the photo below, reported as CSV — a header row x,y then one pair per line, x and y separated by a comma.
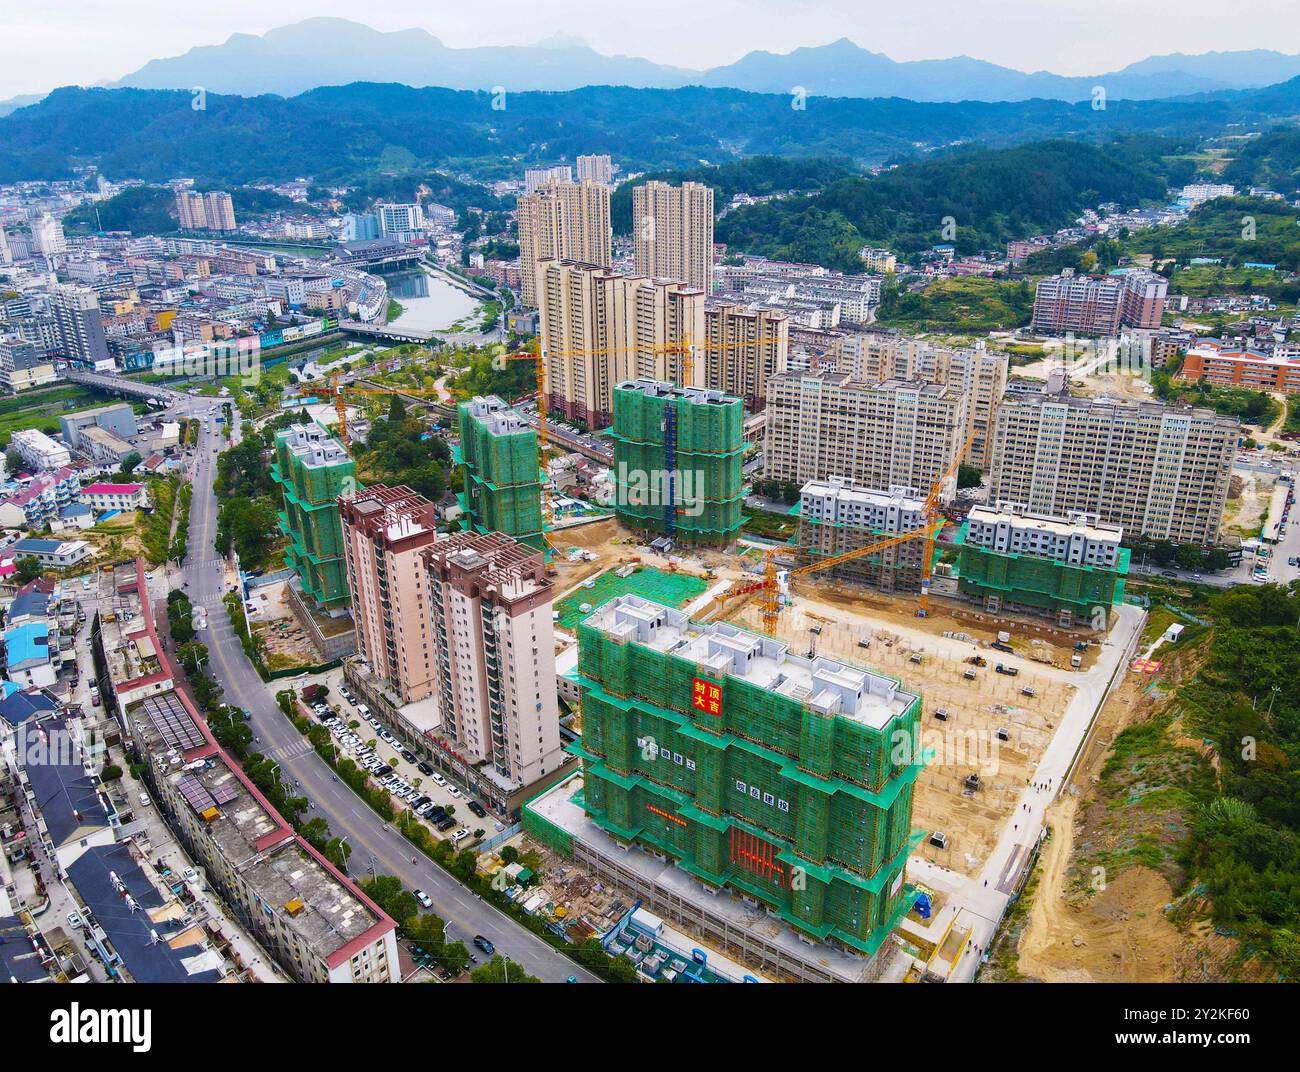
x,y
989,195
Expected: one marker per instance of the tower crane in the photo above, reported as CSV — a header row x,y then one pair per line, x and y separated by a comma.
x,y
931,526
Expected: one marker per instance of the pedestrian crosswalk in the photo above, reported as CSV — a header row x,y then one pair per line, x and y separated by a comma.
x,y
290,751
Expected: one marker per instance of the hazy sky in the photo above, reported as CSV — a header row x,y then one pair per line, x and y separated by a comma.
x,y
47,43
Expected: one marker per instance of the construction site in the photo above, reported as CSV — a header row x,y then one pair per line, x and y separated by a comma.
x,y
985,676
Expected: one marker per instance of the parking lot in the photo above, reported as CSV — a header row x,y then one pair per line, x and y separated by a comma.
x,y
446,809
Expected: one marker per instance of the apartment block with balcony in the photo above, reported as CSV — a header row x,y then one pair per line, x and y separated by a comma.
x,y
895,433
494,656
672,232
385,533
564,221
979,373
1161,471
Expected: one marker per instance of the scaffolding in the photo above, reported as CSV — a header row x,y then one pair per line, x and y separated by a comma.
x,y
767,792
677,461
502,484
312,470
998,580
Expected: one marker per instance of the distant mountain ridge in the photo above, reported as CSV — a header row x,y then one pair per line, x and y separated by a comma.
x,y
330,51
371,128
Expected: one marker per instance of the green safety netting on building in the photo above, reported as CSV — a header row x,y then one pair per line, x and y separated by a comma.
x,y
807,811
502,482
682,451
310,517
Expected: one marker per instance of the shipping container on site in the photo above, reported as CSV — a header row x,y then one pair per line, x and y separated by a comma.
x,y
1043,583
312,470
499,465
680,450
804,808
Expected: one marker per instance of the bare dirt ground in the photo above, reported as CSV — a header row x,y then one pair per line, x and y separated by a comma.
x,y
1098,928
287,643
967,741
1248,501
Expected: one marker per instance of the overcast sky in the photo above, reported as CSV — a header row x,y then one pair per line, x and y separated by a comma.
x,y
48,43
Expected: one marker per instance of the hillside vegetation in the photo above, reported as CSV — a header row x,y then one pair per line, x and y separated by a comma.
x,y
988,197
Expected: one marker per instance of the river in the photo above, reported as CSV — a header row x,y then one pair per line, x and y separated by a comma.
x,y
428,303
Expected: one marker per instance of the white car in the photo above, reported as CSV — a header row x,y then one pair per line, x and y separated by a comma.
x,y
438,779
459,836
423,898
144,800
453,791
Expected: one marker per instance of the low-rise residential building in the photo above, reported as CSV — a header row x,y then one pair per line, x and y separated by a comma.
x,y
39,503
31,655
56,554
103,496
38,451
104,448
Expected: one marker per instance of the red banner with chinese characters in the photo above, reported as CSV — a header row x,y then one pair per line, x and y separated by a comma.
x,y
706,696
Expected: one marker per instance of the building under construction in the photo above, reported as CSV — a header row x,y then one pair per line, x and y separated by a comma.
x,y
313,469
677,461
1068,567
502,488
779,776
836,517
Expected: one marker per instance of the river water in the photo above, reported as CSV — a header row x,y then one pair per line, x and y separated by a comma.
x,y
428,303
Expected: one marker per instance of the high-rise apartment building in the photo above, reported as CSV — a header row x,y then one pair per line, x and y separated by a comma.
x,y
385,533
677,461
359,227
979,373
896,433
672,232
597,167
220,210
313,470
750,767
500,471
599,328
743,348
47,236
1158,470
537,177
81,330
1099,305
211,211
6,257
493,646
566,221
402,222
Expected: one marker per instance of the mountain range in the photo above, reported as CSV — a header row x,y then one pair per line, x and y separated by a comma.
x,y
329,51
339,134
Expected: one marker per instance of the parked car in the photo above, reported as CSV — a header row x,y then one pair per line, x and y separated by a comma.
x,y
144,800
423,898
1010,671
477,809
483,944
424,768
459,836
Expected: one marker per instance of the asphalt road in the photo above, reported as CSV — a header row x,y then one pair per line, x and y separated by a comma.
x,y
374,845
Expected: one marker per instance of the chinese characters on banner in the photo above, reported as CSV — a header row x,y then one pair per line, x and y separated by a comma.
x,y
706,696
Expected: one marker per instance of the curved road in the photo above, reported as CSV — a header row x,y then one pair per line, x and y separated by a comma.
x,y
374,844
